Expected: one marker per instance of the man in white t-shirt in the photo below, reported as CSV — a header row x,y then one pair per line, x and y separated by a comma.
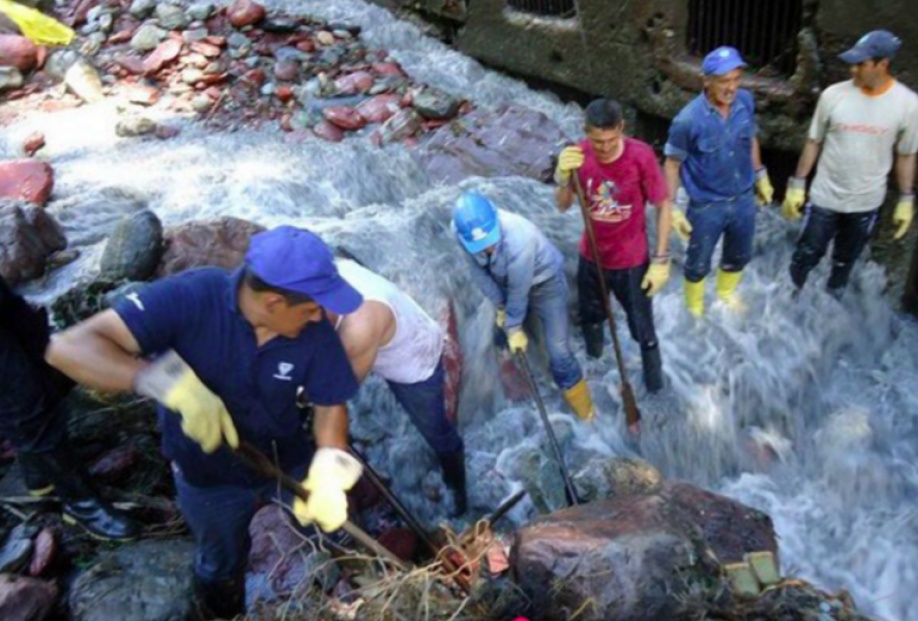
x,y
861,129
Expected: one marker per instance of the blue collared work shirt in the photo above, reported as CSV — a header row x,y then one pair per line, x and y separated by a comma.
x,y
716,152
196,313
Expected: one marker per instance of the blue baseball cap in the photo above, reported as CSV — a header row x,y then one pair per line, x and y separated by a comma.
x,y
721,61
874,44
298,260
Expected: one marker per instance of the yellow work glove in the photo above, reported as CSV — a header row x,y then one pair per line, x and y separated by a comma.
x,y
656,277
570,159
902,217
681,225
794,198
500,318
517,340
173,383
763,190
331,473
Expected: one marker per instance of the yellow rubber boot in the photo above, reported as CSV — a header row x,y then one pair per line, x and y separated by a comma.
x,y
726,285
694,297
578,397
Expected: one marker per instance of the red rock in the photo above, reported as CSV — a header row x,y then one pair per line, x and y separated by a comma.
x,y
41,55
452,364
354,83
327,131
28,180
115,464
389,68
208,50
344,117
121,37
245,13
45,551
256,77
284,93
143,95
209,79
213,92
165,53
28,236
399,541
33,143
380,108
131,62
286,122
19,52
306,45
81,10
219,243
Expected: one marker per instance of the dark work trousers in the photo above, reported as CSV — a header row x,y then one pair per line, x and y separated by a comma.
x,y
849,231
425,403
625,285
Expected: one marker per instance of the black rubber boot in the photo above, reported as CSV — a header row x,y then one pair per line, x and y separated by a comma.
x,y
653,368
593,336
453,465
81,504
222,599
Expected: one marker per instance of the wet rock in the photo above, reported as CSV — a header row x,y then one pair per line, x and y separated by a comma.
x,y
512,140
637,556
164,53
245,13
284,93
147,37
171,17
34,142
45,552
91,216
354,83
142,95
28,235
15,553
165,132
388,69
404,124
325,38
141,9
27,180
344,117
144,581
10,78
607,478
207,50
200,11
326,131
286,70
220,243
401,542
135,126
434,104
380,108
116,464
83,80
19,52
134,248
26,598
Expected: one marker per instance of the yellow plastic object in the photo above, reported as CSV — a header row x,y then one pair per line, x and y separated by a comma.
x,y
694,297
36,26
578,397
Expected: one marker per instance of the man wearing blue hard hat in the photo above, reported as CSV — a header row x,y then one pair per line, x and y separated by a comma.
x,y
521,272
862,129
226,354
713,152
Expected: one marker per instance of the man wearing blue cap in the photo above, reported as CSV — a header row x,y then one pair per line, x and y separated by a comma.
x,y
226,355
862,128
712,150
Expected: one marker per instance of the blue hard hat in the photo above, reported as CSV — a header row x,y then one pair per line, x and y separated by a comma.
x,y
475,221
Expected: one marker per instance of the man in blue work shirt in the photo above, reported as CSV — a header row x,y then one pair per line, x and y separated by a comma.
x,y
232,350
520,271
713,151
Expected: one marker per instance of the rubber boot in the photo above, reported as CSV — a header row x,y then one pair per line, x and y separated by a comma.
x,y
726,285
82,506
593,337
222,599
578,397
694,297
653,368
453,465
35,482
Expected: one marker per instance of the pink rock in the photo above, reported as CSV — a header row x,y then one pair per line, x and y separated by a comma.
x,y
28,180
389,68
286,70
286,122
245,13
143,95
132,63
165,53
344,117
326,131
19,52
122,36
45,551
205,49
33,143
354,83
380,108
217,40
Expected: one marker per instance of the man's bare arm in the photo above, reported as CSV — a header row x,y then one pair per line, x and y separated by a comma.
x,y
363,333
905,173
564,197
808,158
99,353
664,226
330,426
671,168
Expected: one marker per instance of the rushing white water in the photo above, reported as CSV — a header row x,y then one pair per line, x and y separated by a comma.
x,y
805,409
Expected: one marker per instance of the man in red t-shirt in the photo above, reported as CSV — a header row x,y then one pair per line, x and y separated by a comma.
x,y
619,176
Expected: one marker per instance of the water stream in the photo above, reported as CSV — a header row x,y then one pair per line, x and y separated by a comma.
x,y
805,409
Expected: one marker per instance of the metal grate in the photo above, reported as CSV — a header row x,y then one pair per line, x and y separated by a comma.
x,y
547,8
765,33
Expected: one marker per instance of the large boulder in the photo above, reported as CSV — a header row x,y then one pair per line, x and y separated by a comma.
x,y
27,180
28,235
19,52
25,599
134,248
637,556
512,140
220,243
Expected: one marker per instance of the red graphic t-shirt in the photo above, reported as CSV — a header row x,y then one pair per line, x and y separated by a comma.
x,y
617,193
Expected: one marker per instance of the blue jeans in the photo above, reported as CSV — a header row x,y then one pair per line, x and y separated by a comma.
x,y
735,220
219,518
850,231
549,302
425,403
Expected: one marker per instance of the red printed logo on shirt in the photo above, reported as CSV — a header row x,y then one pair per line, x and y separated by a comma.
x,y
604,205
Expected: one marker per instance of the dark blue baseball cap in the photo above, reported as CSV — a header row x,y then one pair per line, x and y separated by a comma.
x,y
298,260
874,44
721,61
